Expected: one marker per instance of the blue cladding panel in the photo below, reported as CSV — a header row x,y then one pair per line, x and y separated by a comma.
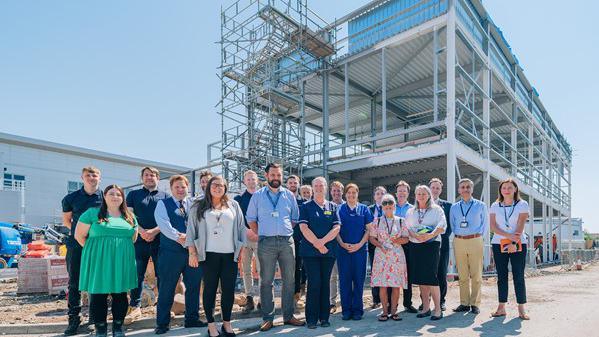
x,y
296,65
473,24
389,19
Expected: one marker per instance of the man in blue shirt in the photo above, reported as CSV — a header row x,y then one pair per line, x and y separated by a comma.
x,y
469,222
143,204
402,190
73,205
271,214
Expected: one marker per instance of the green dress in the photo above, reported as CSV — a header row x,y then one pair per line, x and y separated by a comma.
x,y
108,257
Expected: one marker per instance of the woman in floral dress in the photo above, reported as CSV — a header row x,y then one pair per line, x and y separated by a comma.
x,y
389,269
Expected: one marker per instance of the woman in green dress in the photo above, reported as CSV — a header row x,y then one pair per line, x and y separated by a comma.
x,y
108,267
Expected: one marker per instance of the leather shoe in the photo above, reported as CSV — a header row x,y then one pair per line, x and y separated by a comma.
x,y
411,309
161,330
325,324
224,332
295,322
462,308
266,325
424,314
436,318
196,324
475,310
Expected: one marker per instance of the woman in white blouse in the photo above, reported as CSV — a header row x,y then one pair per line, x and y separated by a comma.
x,y
507,216
426,222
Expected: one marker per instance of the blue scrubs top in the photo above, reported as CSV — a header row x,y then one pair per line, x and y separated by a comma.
x,y
320,221
353,223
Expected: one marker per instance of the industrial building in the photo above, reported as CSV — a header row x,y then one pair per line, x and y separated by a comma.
x,y
397,89
37,174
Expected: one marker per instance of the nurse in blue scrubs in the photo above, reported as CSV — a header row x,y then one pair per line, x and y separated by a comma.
x,y
355,221
319,225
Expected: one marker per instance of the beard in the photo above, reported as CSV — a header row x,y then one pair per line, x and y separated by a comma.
x,y
274,183
293,189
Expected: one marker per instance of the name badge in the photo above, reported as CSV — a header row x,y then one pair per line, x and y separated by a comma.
x,y
328,212
275,214
464,224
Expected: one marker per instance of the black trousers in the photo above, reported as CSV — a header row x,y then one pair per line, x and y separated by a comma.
x,y
300,273
143,252
442,269
73,260
99,307
318,272
219,267
518,262
407,293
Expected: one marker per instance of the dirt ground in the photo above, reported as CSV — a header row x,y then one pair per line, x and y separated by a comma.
x,y
36,308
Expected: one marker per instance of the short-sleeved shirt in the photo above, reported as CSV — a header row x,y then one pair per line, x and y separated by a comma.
x,y
425,221
320,221
401,211
474,213
511,212
143,202
77,203
353,222
274,212
244,201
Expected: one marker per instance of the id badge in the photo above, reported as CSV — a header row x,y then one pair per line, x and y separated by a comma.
x,y
464,224
217,231
328,212
275,214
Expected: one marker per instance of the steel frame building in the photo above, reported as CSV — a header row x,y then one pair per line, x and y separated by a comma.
x,y
397,89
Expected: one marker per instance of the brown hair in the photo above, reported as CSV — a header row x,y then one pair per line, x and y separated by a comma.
x,y
403,183
293,176
349,186
513,182
435,180
125,212
336,183
381,188
90,169
151,169
205,173
205,203
178,177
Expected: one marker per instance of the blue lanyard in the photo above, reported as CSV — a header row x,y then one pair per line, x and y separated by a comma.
x,y
469,207
505,216
274,203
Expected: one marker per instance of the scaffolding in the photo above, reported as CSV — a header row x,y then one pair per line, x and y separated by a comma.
x,y
397,89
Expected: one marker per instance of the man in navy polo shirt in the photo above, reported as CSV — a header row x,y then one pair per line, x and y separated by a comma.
x,y
73,205
292,184
143,204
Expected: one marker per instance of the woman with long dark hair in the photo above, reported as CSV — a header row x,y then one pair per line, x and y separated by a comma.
x,y
214,238
507,217
108,266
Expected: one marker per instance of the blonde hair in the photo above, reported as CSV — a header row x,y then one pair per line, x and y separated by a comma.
x,y
90,169
338,184
429,202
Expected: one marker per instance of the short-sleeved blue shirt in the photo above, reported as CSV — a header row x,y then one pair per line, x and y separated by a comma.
x,y
273,220
401,211
143,202
320,221
77,203
353,222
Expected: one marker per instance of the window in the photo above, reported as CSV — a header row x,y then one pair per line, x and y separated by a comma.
x,y
14,182
73,186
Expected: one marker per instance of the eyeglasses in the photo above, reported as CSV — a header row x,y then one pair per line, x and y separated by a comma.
x,y
387,203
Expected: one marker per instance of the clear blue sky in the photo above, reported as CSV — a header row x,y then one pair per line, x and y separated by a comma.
x,y
131,76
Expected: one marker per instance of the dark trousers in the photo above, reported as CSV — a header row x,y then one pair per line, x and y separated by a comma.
x,y
300,273
376,297
99,307
352,271
442,269
407,293
318,272
518,262
175,264
73,260
219,267
143,252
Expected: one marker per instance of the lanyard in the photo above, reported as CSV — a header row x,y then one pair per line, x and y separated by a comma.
x,y
421,216
469,207
273,202
389,229
379,210
505,216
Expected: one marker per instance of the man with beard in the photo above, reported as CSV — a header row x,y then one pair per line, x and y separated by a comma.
x,y
293,183
271,214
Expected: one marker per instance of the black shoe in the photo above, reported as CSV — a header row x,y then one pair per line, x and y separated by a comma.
x,y
325,324
117,329
346,318
420,307
196,324
424,314
101,329
161,330
249,305
411,309
462,308
436,318
74,322
357,318
311,325
443,307
475,310
224,332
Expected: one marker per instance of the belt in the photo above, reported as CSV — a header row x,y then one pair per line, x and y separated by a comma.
x,y
472,236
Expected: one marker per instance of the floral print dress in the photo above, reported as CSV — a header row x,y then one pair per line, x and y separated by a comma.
x,y
389,269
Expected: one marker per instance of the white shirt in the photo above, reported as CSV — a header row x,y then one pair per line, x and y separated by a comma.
x,y
220,231
431,218
511,212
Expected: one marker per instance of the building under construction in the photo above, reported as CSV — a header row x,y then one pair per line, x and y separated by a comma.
x,y
397,89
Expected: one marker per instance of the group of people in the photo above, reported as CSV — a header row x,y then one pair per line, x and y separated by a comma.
x,y
318,243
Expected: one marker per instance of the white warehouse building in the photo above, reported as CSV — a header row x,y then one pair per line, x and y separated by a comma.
x,y
37,174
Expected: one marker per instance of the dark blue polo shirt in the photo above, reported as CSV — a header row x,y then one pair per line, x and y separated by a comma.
x,y
353,223
244,201
320,221
78,202
144,203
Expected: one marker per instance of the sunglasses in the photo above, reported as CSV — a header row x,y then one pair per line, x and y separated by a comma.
x,y
387,203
